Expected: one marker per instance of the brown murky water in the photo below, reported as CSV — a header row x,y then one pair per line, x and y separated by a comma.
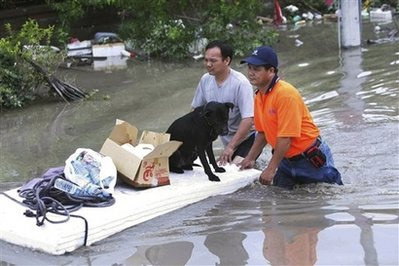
x,y
354,97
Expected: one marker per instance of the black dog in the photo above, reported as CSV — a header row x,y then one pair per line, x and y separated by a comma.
x,y
197,130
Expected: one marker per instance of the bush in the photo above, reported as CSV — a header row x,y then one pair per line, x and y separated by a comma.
x,y
165,39
173,26
167,29
235,22
18,80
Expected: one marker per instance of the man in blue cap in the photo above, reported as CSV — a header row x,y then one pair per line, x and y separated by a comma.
x,y
283,120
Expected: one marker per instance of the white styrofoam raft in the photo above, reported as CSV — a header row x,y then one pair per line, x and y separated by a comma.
x,y
131,207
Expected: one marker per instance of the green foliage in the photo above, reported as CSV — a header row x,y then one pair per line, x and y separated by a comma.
x,y
165,39
72,10
235,22
183,22
19,80
168,39
167,28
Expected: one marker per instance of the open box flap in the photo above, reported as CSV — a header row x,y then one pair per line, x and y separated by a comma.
x,y
164,150
126,162
154,138
123,133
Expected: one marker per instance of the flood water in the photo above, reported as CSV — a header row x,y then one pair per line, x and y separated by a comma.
x,y
354,98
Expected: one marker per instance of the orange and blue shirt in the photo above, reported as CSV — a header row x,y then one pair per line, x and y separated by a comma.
x,y
282,112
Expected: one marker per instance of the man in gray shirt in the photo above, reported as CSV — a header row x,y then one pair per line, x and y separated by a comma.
x,y
224,84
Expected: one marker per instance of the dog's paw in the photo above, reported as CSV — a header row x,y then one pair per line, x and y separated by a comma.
x,y
213,178
220,170
188,167
177,170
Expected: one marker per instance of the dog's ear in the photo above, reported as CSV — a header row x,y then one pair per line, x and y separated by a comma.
x,y
229,105
206,113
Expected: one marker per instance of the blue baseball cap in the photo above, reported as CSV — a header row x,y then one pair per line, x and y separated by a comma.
x,y
263,55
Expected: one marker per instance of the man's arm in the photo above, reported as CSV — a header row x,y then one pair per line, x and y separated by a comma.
x,y
254,152
239,136
282,146
199,97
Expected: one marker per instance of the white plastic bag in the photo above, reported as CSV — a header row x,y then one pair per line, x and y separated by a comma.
x,y
86,168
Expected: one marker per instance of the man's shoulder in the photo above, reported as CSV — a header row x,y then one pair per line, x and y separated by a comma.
x,y
286,89
206,80
285,85
238,76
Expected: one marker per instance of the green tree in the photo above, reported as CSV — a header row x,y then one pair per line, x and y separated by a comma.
x,y
167,29
18,80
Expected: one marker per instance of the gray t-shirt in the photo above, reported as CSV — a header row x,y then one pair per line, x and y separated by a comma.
x,y
235,89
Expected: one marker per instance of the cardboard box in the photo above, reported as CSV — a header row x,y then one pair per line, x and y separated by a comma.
x,y
150,171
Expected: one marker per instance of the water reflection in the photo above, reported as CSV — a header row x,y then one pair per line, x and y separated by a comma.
x,y
351,66
359,88
292,228
354,224
366,236
228,247
290,248
292,239
173,253
112,63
